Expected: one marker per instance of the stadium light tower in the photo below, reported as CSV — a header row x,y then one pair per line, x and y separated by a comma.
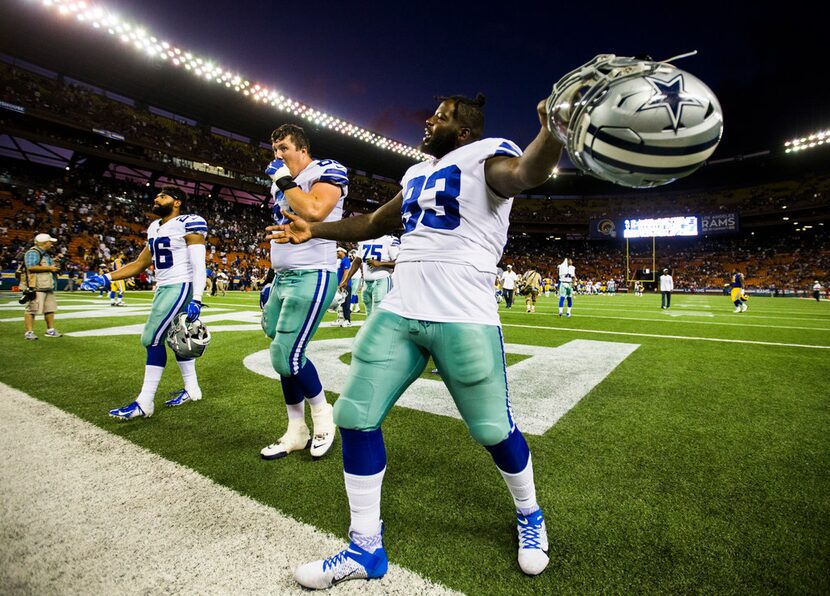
x,y
103,20
811,141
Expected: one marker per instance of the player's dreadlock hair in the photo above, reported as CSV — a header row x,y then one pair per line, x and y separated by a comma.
x,y
469,112
296,133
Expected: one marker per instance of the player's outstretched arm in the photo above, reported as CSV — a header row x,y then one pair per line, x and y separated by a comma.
x,y
511,175
129,270
362,227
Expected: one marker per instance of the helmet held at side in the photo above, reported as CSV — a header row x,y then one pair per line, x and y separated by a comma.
x,y
188,339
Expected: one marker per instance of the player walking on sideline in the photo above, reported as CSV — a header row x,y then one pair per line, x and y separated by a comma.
x,y
304,284
454,209
567,274
376,266
344,317
666,287
117,288
176,249
737,293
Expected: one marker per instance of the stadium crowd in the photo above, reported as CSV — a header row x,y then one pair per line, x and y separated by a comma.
x,y
93,219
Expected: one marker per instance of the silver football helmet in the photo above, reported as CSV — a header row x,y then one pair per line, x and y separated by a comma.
x,y
188,339
338,300
635,122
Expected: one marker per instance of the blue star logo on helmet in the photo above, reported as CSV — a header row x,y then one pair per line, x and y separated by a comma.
x,y
671,95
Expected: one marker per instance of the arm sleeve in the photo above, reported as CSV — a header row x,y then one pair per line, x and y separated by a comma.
x,y
196,253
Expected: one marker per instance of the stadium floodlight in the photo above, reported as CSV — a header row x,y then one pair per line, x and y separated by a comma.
x,y
98,17
810,141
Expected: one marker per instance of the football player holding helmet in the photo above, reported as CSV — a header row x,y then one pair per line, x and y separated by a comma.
x,y
635,122
188,339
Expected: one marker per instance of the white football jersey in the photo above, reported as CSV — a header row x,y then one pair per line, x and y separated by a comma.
x,y
168,247
385,248
455,229
316,253
567,273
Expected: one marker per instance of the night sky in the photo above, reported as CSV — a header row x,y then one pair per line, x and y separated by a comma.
x,y
380,65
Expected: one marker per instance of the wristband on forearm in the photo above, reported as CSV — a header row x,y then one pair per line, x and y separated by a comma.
x,y
285,183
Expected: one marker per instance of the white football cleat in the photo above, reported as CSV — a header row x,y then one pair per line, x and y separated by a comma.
x,y
738,309
744,307
296,438
350,563
533,542
324,430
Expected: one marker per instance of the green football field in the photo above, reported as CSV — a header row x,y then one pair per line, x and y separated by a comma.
x,y
675,451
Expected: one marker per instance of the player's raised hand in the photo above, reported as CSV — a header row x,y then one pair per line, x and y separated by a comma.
x,y
277,169
296,232
280,174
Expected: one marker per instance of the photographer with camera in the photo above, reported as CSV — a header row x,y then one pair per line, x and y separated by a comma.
x,y
39,286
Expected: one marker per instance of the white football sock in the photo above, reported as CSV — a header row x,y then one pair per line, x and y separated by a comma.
x,y
364,502
191,383
152,377
296,411
522,488
316,401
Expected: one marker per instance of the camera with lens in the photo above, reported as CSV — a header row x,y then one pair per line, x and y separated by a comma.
x,y
27,296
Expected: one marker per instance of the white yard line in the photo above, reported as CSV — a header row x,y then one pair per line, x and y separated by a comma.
x,y
659,336
83,511
697,322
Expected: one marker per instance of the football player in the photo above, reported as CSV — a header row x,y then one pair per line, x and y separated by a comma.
x,y
454,209
737,293
117,287
376,266
357,282
567,274
176,250
304,284
344,315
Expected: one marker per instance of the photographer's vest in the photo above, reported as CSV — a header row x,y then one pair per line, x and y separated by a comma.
x,y
44,281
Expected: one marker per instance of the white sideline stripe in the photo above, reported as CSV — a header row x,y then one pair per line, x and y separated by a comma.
x,y
721,310
695,322
86,512
756,314
691,338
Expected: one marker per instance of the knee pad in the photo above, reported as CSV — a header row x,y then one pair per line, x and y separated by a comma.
x,y
352,415
280,358
488,433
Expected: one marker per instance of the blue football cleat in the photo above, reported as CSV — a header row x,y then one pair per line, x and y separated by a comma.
x,y
533,542
351,563
181,397
131,411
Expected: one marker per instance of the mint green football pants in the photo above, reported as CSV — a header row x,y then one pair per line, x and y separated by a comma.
x,y
374,291
296,306
168,301
390,352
